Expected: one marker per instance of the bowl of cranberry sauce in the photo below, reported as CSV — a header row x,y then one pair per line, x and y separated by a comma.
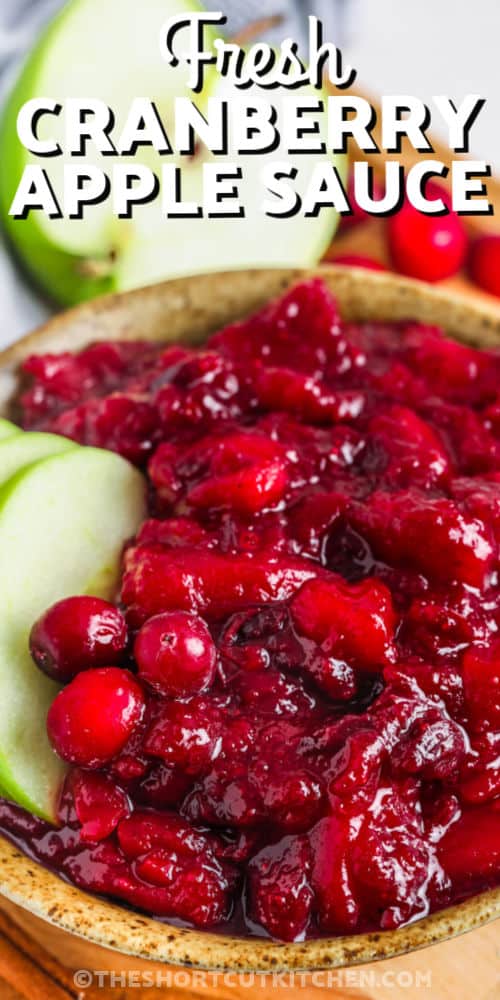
x,y
293,734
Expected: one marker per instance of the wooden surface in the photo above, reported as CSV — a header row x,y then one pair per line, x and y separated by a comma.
x,y
38,962
370,238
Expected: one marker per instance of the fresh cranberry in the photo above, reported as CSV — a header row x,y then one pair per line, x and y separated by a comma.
x,y
175,654
428,247
76,634
484,263
90,720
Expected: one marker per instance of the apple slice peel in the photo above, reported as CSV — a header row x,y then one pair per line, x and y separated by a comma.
x,y
63,524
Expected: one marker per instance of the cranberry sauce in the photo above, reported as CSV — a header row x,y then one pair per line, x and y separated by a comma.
x,y
299,716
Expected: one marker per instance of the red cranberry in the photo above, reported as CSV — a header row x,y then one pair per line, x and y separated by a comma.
x,y
174,532
246,472
335,677
306,398
122,423
356,767
392,861
484,263
194,889
175,654
76,634
293,800
91,720
481,773
451,370
428,247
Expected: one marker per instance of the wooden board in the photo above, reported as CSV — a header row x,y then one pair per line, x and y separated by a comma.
x,y
370,238
38,962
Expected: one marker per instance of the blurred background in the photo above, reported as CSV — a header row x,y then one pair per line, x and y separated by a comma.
x,y
421,47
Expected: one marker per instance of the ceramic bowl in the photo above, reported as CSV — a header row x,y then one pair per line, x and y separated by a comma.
x,y
188,310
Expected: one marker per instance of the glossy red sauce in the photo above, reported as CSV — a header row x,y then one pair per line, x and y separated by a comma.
x,y
326,497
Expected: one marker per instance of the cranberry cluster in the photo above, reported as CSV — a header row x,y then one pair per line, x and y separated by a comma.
x,y
428,247
290,725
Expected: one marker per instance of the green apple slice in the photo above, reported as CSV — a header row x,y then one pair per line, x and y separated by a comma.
x,y
63,524
25,448
8,429
163,247
77,259
93,50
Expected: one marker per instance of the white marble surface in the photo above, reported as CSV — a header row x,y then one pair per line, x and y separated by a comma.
x,y
423,47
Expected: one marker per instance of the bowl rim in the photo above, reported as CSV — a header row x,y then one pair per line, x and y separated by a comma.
x,y
190,308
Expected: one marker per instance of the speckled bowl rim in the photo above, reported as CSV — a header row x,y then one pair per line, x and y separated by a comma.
x,y
188,309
